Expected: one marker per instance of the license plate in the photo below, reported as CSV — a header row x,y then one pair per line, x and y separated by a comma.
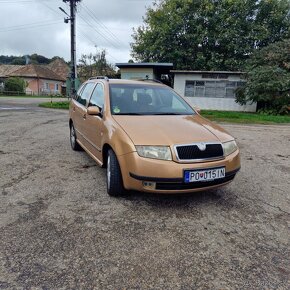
x,y
204,174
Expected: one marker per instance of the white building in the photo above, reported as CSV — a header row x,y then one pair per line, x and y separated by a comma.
x,y
211,90
147,70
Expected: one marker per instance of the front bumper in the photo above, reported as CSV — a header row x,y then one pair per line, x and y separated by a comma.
x,y
167,176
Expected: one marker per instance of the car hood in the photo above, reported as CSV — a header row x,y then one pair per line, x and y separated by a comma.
x,y
171,130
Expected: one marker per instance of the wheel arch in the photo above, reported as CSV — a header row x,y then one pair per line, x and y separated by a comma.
x,y
106,148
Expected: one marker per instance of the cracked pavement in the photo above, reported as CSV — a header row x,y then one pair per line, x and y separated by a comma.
x,y
60,230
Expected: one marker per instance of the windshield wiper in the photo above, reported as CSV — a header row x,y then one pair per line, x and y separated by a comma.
x,y
131,114
149,114
168,114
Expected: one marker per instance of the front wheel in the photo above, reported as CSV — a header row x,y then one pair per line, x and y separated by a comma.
x,y
73,139
115,185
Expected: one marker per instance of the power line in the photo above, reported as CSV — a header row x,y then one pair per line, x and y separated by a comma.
x,y
91,14
85,36
53,10
110,37
99,32
15,2
20,1
27,24
81,32
21,27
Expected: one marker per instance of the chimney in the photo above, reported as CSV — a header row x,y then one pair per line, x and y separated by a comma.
x,y
27,60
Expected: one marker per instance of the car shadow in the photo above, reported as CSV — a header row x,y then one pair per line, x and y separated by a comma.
x,y
220,197
224,196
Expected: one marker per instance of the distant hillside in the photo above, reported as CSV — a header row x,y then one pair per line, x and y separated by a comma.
x,y
21,60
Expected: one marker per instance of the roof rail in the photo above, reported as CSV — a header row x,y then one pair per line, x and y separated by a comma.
x,y
99,78
150,80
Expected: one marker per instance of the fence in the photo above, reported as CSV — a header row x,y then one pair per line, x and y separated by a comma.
x,y
15,93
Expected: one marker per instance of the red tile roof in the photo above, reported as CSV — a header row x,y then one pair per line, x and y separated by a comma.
x,y
37,71
7,69
60,67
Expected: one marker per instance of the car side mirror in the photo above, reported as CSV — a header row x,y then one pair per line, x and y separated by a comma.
x,y
94,111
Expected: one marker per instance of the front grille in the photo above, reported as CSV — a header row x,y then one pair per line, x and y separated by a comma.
x,y
192,152
192,185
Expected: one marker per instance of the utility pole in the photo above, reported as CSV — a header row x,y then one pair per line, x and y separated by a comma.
x,y
72,19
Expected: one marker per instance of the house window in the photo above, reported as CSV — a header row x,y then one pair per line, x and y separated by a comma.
x,y
46,86
212,89
189,88
194,88
56,87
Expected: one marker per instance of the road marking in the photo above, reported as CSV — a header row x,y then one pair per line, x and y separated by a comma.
x,y
14,108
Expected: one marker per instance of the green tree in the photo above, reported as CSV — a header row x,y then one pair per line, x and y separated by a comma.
x,y
5,59
39,59
15,84
18,61
268,78
95,65
58,57
209,34
21,60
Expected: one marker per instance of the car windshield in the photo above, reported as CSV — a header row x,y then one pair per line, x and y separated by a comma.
x,y
146,99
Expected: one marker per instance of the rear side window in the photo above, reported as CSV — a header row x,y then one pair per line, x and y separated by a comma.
x,y
84,95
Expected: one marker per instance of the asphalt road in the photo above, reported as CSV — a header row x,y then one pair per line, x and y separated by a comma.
x,y
60,230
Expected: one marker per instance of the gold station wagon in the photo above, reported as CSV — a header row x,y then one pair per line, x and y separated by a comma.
x,y
149,138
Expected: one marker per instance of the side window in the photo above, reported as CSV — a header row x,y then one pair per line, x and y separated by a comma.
x,y
84,95
79,92
97,98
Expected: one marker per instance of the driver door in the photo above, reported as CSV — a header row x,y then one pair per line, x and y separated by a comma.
x,y
94,124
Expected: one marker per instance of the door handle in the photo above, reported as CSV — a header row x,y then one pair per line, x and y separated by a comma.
x,y
84,116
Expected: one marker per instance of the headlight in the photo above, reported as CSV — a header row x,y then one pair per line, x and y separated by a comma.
x,y
155,152
230,147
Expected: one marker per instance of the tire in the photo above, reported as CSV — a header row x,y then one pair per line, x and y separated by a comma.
x,y
115,185
73,139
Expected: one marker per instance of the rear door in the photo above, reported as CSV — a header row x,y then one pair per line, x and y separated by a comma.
x,y
76,102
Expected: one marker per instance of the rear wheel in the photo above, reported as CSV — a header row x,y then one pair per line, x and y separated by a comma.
x,y
73,139
114,176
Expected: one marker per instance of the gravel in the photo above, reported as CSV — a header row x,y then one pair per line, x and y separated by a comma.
x,y
60,230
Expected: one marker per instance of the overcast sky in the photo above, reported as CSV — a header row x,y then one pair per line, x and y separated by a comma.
x,y
37,26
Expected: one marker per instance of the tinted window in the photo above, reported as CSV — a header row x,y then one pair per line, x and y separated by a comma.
x,y
85,93
97,98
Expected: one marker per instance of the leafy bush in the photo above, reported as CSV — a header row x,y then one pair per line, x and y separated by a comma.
x,y
15,84
268,79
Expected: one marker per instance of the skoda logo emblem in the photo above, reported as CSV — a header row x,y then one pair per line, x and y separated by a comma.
x,y
201,146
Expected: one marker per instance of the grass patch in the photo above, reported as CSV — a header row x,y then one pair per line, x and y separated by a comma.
x,y
219,116
55,105
244,118
30,96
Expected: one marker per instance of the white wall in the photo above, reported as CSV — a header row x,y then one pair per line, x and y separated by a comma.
x,y
137,73
224,104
